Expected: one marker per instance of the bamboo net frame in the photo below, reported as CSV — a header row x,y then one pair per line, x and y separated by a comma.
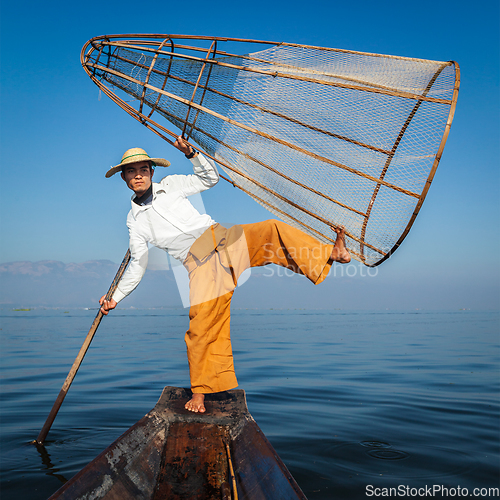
x,y
318,136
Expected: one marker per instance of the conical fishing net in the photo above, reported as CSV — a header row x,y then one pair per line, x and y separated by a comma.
x,y
318,136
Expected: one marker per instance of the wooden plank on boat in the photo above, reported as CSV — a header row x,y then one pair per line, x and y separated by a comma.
x,y
172,454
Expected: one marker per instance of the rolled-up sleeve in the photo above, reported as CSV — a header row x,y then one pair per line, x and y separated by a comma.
x,y
137,267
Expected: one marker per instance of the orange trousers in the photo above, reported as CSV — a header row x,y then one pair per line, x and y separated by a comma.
x,y
215,262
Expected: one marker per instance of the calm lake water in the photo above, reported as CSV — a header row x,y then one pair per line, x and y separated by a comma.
x,y
351,401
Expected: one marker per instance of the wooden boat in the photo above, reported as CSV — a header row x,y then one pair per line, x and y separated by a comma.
x,y
172,453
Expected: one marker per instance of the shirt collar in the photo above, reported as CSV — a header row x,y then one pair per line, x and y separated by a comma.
x,y
157,187
145,198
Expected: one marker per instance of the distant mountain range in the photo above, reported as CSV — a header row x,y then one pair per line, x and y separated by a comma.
x,y
92,268
51,283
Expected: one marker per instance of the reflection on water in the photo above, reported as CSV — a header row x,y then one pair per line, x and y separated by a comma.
x,y
346,398
49,467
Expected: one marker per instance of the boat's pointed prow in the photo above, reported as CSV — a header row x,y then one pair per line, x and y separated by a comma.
x,y
176,454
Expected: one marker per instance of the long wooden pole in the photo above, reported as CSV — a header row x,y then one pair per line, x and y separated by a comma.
x,y
78,361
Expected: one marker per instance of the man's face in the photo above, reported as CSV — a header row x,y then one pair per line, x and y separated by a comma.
x,y
138,177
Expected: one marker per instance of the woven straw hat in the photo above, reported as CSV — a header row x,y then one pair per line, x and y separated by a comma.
x,y
135,155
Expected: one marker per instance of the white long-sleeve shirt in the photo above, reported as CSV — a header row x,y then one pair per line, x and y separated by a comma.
x,y
170,222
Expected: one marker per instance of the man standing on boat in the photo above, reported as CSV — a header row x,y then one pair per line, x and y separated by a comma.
x,y
214,256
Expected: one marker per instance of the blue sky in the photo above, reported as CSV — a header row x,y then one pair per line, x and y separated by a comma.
x,y
58,138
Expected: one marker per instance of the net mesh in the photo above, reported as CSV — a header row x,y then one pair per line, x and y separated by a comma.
x,y
317,136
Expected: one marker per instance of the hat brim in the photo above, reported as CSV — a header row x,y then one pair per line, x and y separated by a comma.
x,y
159,162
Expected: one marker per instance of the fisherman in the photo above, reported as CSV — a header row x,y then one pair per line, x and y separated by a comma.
x,y
214,256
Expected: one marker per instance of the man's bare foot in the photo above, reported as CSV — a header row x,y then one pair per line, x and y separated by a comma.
x,y
196,403
340,252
